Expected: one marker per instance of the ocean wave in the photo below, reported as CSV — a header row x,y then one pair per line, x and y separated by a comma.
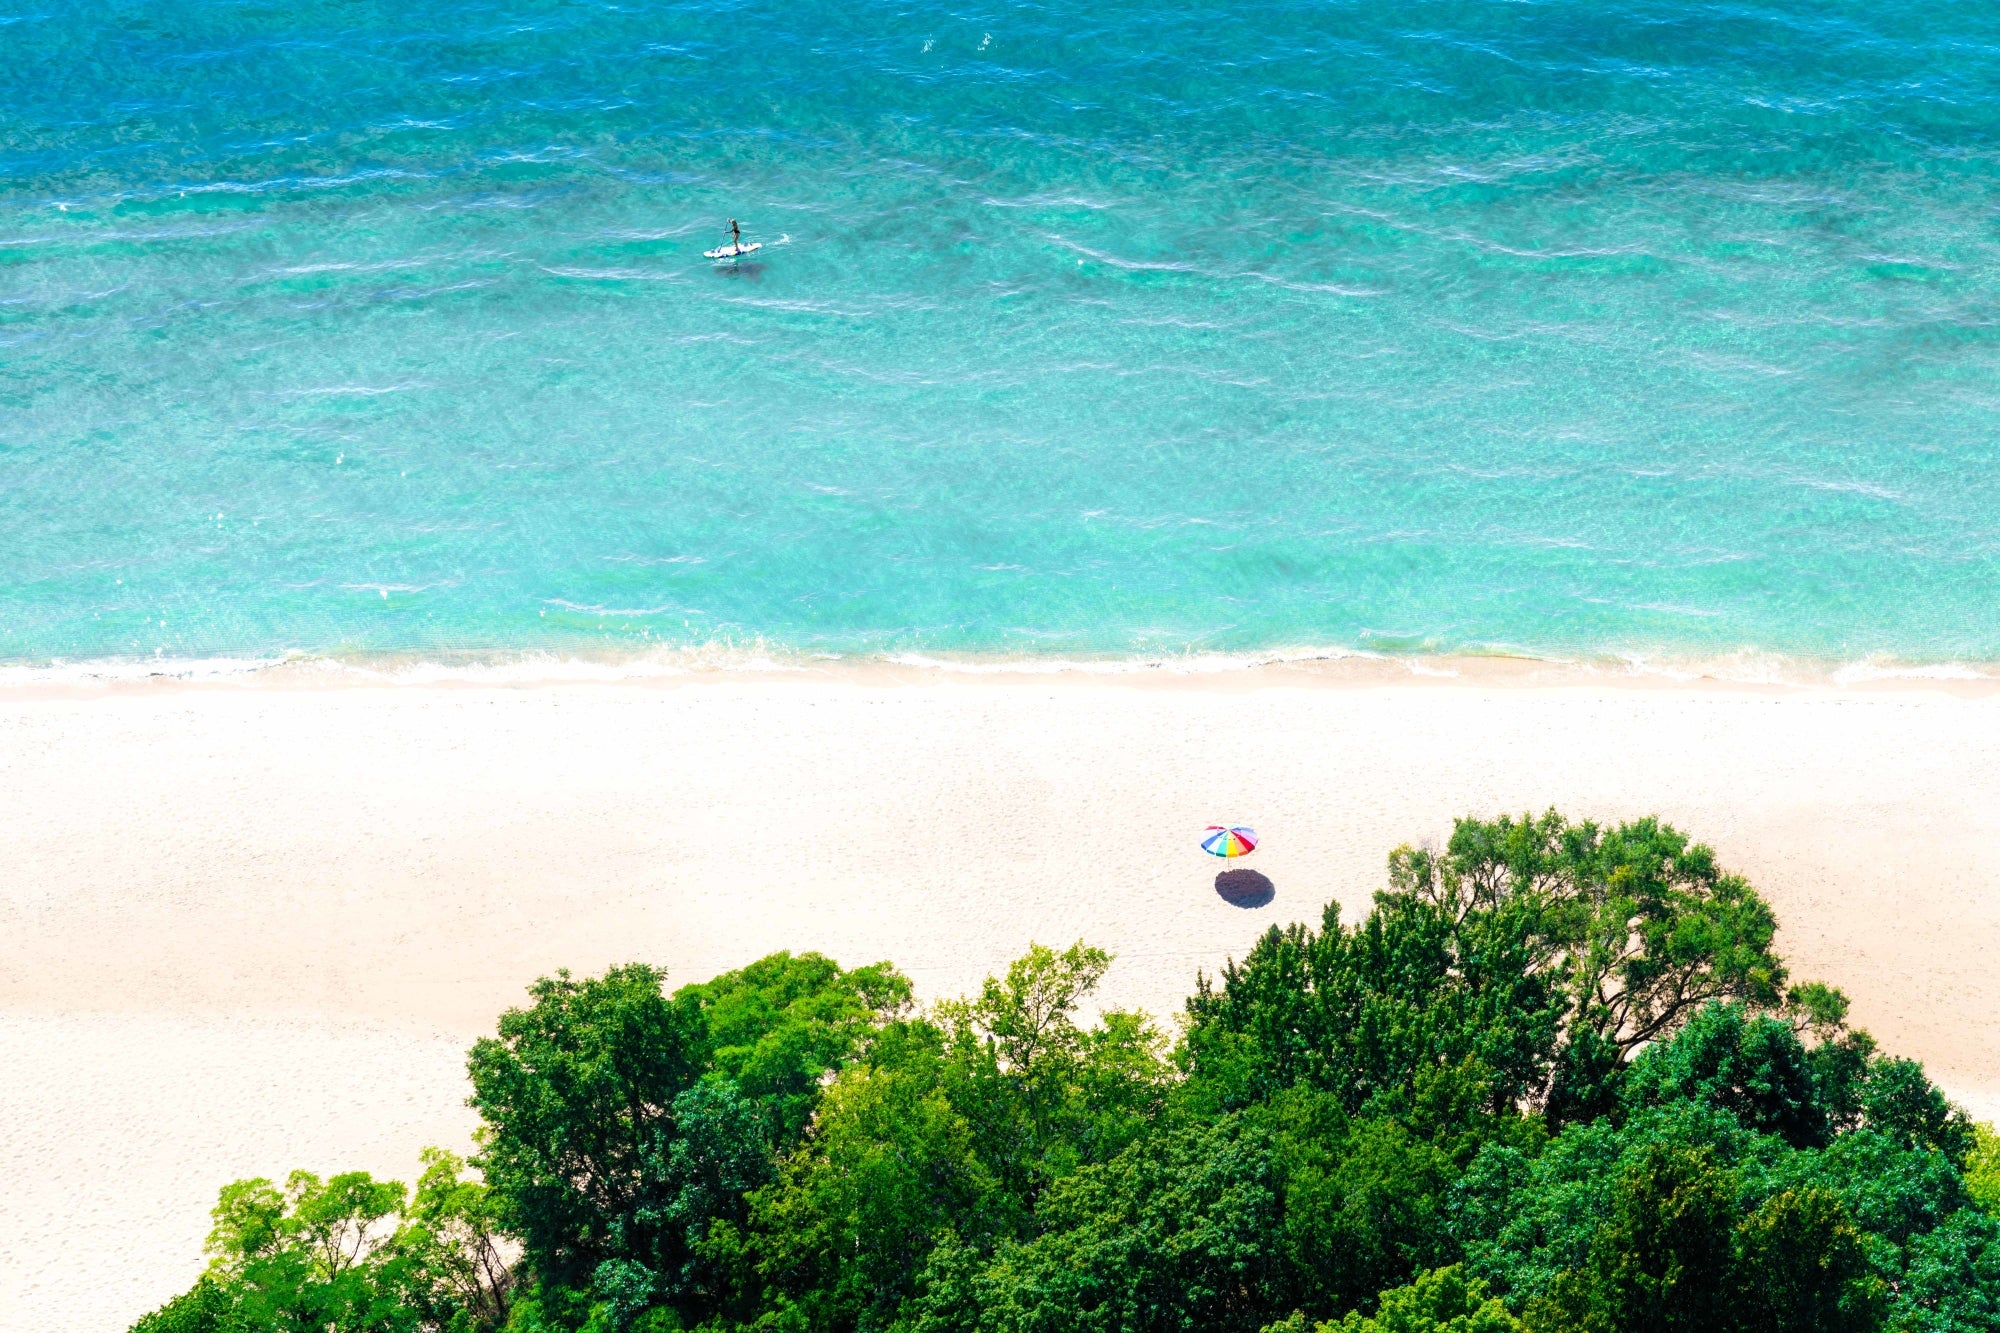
x,y
379,266
1858,673
337,181
351,390
1193,664
609,274
1202,271
627,612
1500,666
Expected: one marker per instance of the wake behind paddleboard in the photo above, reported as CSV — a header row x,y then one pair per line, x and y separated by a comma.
x,y
732,251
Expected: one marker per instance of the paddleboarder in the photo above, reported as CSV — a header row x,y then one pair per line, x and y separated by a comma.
x,y
735,249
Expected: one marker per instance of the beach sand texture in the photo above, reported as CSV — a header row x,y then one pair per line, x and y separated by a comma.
x,y
250,928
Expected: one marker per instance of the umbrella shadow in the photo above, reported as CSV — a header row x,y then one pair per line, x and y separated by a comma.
x,y
1245,888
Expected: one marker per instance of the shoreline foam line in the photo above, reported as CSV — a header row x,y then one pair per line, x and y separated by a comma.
x,y
1299,665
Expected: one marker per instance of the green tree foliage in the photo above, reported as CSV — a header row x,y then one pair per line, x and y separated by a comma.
x,y
1676,1255
1800,1263
1758,1068
1754,1067
1982,1168
348,1254
1175,1233
1217,1223
893,1168
1541,953
1952,1284
625,1126
1361,1199
1444,1300
206,1307
1044,1095
319,1254
1897,1100
1819,1237
452,1231
578,1092
1661,1261
951,1125
1895,1191
777,1026
1554,1082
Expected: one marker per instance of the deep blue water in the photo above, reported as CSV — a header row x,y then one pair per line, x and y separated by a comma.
x,y
1591,327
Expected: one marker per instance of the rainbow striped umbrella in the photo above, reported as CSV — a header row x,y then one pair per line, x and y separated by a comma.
x,y
1228,840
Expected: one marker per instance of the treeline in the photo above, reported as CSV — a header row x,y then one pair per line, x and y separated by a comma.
x,y
1556,1081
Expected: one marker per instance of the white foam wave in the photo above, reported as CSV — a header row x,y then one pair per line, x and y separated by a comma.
x,y
1857,673
112,671
1180,266
1192,664
1746,668
351,390
608,274
497,669
379,266
667,609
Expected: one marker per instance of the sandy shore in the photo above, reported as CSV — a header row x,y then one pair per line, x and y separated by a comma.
x,y
250,927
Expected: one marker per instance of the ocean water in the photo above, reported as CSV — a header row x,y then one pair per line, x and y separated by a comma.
x,y
1114,329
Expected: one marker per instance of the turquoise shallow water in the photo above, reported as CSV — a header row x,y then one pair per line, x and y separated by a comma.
x,y
1594,328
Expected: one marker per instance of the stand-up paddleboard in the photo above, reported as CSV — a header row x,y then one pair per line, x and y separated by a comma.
x,y
732,251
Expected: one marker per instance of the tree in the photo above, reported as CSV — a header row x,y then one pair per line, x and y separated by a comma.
x,y
626,1127
892,1167
1544,953
1043,1095
776,1027
321,1255
1362,1200
452,1230
1893,1190
349,1254
1982,1168
1952,1284
1635,927
947,1131
206,1307
1674,1256
1661,1263
1177,1232
579,1095
1555,1080
1367,1014
1444,1300
1527,1218
1800,1264
1754,1067
1898,1101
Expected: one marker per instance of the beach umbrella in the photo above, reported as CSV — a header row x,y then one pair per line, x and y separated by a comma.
x,y
1227,840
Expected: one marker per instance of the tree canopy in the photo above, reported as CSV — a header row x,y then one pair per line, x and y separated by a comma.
x,y
1557,1080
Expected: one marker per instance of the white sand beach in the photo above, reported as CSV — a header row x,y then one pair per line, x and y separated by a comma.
x,y
250,927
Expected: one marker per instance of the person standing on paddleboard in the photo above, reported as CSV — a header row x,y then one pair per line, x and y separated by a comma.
x,y
736,249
